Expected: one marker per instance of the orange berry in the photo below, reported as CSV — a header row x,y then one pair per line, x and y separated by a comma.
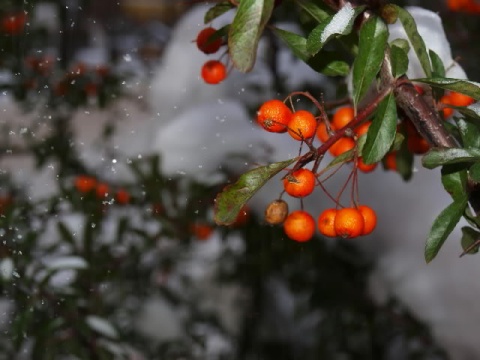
x,y
417,145
363,128
349,223
299,226
342,117
391,161
322,133
326,222
459,99
369,217
213,72
447,100
300,183
122,196
342,145
85,184
274,116
302,123
102,190
201,231
364,167
204,43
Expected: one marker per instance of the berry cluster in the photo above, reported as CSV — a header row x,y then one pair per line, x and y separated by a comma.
x,y
209,42
85,184
347,222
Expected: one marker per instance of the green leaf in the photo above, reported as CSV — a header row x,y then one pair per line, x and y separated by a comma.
x,y
454,180
469,237
336,68
437,157
466,87
402,44
66,234
296,43
314,10
415,39
443,226
331,26
230,201
399,61
405,159
382,131
469,132
474,172
217,10
437,64
371,51
471,111
246,30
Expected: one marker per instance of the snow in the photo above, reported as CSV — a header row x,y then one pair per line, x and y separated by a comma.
x,y
339,23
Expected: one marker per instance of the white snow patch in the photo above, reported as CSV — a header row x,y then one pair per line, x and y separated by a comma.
x,y
339,22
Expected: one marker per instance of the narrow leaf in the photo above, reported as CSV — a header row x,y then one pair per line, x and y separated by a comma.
x,y
437,157
245,32
474,172
340,23
336,68
437,64
471,111
399,61
469,132
314,10
371,51
469,237
296,43
402,44
443,226
382,131
217,10
415,39
231,200
454,180
466,87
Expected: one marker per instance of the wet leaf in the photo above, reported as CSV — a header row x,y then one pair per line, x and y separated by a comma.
x,y
231,200
371,51
443,226
415,39
246,30
217,10
466,87
437,157
381,133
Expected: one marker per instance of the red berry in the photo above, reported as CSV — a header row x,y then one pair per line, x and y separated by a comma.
x,y
213,72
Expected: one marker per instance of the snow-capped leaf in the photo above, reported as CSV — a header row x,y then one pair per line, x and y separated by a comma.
x,y
340,23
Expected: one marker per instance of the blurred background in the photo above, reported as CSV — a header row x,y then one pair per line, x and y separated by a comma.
x,y
113,150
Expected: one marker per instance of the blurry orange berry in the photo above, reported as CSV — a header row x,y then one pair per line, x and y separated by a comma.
x,y
102,190
417,145
300,183
204,42
322,133
85,184
349,223
342,117
364,167
341,146
213,72
447,100
299,226
274,116
302,123
14,24
391,161
363,128
369,217
201,231
122,196
326,222
459,99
